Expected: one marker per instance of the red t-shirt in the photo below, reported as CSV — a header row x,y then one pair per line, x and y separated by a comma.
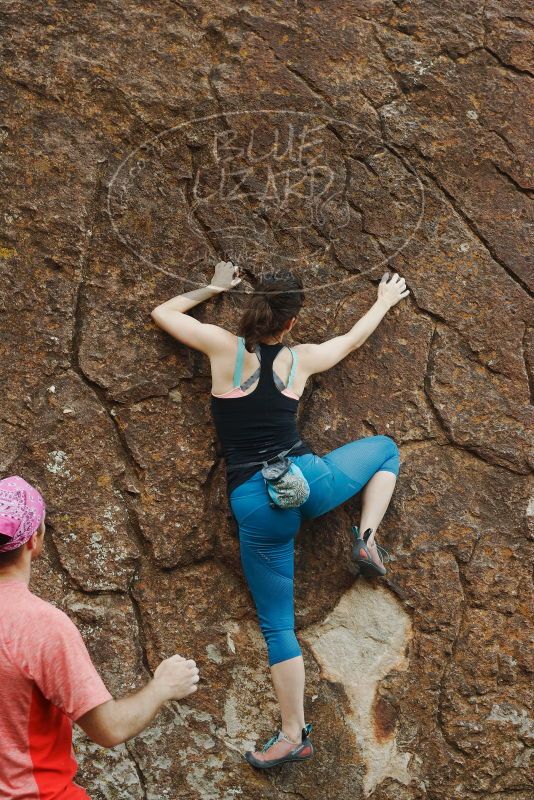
x,y
47,681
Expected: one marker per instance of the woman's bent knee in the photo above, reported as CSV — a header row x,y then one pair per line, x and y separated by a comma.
x,y
281,645
388,440
392,462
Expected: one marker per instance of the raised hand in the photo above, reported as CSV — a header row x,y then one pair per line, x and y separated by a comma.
x,y
390,292
225,275
176,677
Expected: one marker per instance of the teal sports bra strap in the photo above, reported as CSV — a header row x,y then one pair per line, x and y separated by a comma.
x,y
239,361
293,366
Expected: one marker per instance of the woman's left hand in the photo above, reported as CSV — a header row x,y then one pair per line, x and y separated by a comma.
x,y
392,291
225,275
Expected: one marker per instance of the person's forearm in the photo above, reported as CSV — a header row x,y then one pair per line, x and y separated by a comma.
x,y
135,712
368,323
183,302
119,720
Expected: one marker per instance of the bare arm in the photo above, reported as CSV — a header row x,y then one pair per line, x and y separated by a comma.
x,y
320,357
172,315
117,721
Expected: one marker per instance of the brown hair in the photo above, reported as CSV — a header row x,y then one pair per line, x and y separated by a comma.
x,y
10,556
277,297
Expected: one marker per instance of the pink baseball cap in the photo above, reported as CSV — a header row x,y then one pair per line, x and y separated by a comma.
x,y
22,510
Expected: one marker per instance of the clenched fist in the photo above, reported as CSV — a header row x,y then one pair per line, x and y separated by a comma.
x,y
176,677
390,292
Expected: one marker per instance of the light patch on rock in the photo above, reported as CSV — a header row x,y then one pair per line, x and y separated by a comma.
x,y
243,716
530,507
214,654
112,771
362,640
109,518
205,777
507,713
56,463
421,67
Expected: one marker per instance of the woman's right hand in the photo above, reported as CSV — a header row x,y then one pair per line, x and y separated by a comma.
x,y
393,290
225,275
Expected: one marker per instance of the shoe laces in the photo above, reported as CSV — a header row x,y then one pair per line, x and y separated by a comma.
x,y
271,741
281,735
382,552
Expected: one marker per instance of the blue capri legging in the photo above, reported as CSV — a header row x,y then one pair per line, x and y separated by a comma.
x,y
267,535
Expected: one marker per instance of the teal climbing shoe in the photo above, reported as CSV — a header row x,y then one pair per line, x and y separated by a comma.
x,y
280,749
362,558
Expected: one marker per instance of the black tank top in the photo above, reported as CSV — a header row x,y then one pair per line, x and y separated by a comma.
x,y
258,425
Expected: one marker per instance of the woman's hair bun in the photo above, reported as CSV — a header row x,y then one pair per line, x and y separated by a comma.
x,y
278,296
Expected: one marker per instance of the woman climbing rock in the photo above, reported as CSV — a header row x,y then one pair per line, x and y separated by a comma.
x,y
274,479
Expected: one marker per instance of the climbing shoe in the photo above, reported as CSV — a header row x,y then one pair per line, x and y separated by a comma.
x,y
369,565
280,749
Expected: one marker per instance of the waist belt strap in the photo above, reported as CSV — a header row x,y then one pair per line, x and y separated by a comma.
x,y
263,463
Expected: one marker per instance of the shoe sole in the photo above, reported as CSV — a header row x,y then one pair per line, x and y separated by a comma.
x,y
370,572
353,567
277,762
361,567
365,567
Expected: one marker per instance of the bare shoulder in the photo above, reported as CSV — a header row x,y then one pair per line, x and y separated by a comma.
x,y
304,351
220,337
214,341
324,355
209,339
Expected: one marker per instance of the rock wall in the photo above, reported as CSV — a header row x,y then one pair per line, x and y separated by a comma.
x,y
138,149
